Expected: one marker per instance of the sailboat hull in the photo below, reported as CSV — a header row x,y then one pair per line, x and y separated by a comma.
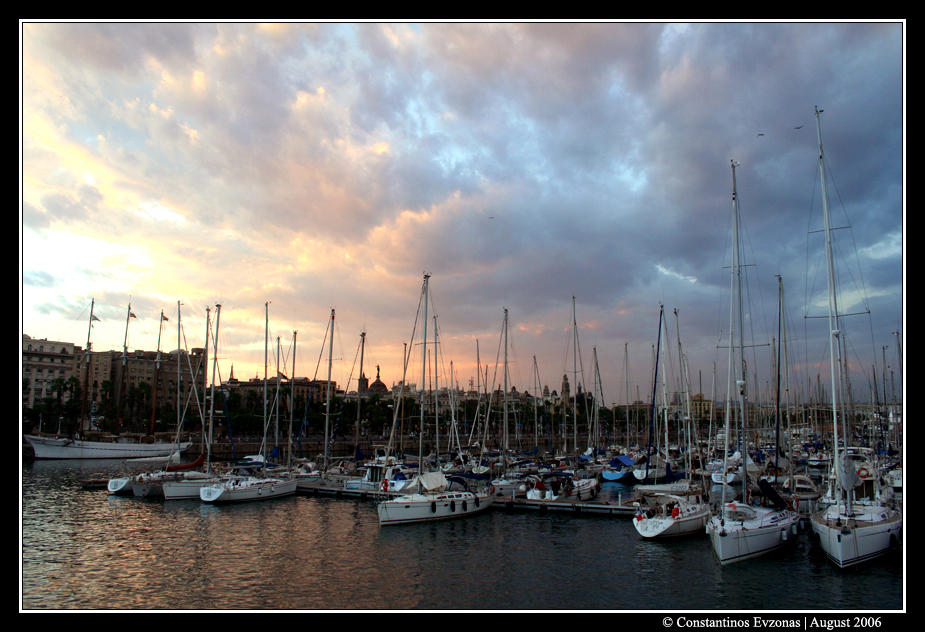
x,y
187,488
64,448
668,527
865,535
739,540
430,507
245,490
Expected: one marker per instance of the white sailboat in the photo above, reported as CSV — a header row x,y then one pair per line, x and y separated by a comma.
x,y
672,515
850,531
680,513
186,485
739,531
151,484
76,447
236,488
432,501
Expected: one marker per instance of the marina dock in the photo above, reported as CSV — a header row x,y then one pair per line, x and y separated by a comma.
x,y
621,508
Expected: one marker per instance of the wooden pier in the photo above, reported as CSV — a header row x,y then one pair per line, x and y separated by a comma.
x,y
623,508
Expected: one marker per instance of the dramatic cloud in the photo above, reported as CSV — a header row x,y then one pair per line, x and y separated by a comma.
x,y
320,166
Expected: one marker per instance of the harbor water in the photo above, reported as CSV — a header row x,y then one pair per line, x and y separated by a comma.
x,y
85,550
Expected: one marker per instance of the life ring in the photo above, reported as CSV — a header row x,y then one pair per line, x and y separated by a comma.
x,y
863,472
491,490
385,485
675,512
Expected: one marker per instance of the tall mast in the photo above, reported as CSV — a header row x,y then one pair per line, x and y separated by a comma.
x,y
685,385
356,427
266,342
218,313
205,377
86,385
661,311
122,393
741,383
536,403
157,369
291,402
626,377
327,411
179,355
834,332
575,373
423,381
505,434
735,309
436,399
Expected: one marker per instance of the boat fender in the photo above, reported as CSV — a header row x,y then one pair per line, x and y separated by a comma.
x,y
465,508
452,505
385,485
492,490
863,472
433,507
476,501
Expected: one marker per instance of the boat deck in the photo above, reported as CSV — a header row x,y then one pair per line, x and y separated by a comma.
x,y
852,522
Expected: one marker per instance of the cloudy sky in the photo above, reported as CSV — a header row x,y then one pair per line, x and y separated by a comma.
x,y
330,165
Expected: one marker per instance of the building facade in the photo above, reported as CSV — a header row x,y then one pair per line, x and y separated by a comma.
x,y
43,362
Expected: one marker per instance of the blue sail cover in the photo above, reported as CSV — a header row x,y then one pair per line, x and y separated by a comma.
x,y
622,460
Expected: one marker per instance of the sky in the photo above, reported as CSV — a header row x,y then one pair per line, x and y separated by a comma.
x,y
290,169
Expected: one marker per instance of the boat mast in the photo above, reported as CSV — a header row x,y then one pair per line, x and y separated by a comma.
x,y
741,382
536,403
436,401
327,412
423,380
685,385
504,417
157,369
733,302
122,393
780,318
356,428
179,355
575,373
218,312
661,311
291,403
834,332
86,386
276,399
626,378
205,379
266,342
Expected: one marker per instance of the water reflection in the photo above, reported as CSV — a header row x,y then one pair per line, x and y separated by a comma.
x,y
88,550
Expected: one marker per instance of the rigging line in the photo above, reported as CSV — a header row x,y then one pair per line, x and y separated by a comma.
x,y
350,375
321,353
494,382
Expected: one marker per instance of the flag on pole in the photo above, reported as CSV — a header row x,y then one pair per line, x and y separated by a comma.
x,y
93,317
164,317
132,314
